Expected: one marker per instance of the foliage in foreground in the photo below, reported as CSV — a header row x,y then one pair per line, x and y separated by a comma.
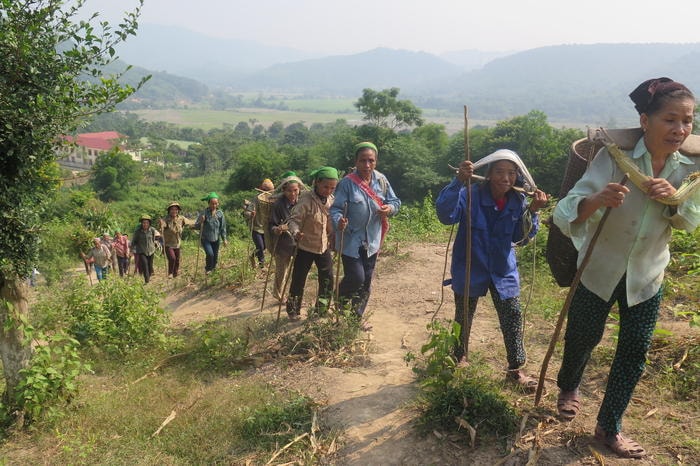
x,y
452,397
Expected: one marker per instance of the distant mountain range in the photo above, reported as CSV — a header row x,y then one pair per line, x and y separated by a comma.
x,y
572,83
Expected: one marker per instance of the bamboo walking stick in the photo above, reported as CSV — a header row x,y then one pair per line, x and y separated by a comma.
x,y
269,270
466,318
569,297
336,287
290,268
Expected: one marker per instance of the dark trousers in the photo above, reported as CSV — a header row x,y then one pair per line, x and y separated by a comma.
x,y
123,263
302,265
356,284
510,319
173,256
146,266
259,242
211,252
584,330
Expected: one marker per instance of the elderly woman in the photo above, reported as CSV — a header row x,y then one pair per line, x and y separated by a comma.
x,y
363,202
283,243
100,257
254,214
309,224
627,263
172,227
143,243
499,215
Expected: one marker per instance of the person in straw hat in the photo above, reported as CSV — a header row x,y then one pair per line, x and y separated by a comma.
x,y
500,218
258,221
171,227
626,264
212,226
143,244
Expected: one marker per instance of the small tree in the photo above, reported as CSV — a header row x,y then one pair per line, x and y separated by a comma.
x,y
114,174
384,109
51,78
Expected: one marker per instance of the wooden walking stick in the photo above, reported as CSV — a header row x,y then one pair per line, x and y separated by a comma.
x,y
569,297
466,317
269,270
336,288
290,267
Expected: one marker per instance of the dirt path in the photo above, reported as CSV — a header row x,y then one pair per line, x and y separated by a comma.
x,y
372,405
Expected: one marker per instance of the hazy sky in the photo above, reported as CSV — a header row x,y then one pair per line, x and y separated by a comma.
x,y
435,26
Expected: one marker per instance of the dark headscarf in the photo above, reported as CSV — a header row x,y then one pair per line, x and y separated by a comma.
x,y
653,89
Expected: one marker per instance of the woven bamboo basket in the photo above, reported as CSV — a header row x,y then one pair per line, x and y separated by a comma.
x,y
561,254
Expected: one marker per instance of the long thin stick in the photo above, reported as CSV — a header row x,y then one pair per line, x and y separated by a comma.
x,y
269,270
337,266
569,297
290,268
466,318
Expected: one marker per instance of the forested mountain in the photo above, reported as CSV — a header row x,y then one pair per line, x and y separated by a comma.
x,y
570,83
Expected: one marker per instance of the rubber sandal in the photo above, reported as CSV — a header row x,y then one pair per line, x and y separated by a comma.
x,y
568,404
522,380
621,446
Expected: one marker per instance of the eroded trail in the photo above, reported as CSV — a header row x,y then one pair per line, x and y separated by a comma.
x,y
371,405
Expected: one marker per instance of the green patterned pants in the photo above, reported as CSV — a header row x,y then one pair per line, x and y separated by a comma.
x,y
584,330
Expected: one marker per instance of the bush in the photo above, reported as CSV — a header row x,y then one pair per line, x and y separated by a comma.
x,y
117,316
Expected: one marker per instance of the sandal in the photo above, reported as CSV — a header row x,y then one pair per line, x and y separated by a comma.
x,y
568,404
621,446
524,381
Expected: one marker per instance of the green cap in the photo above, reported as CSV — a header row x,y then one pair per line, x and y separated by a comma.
x,y
324,173
210,196
366,145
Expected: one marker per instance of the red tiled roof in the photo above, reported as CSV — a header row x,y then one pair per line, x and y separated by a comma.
x,y
104,140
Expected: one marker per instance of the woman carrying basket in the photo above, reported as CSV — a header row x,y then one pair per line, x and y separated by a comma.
x,y
627,264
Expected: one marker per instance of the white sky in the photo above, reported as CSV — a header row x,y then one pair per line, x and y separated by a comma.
x,y
435,26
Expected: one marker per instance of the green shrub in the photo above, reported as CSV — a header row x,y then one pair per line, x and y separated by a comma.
x,y
50,380
117,315
450,395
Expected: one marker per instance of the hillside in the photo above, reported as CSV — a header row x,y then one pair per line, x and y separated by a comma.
x,y
573,83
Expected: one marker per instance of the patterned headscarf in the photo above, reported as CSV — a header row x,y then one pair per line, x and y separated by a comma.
x,y
652,89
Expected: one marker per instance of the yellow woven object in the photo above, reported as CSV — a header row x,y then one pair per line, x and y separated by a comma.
x,y
689,185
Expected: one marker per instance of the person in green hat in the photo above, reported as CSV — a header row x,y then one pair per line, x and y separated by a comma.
x,y
309,224
364,201
212,226
143,244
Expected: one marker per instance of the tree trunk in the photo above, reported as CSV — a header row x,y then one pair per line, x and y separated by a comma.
x,y
15,352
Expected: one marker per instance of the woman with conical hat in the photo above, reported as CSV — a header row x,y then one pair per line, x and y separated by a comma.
x,y
143,243
171,227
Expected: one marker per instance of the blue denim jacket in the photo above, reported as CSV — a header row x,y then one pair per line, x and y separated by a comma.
x,y
364,225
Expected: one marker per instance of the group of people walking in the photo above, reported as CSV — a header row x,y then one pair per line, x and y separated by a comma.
x,y
350,216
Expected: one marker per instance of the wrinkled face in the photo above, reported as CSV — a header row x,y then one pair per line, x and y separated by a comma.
x,y
291,192
325,187
173,211
213,204
502,176
666,129
365,162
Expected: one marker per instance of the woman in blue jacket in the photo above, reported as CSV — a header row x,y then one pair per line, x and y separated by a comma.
x,y
499,220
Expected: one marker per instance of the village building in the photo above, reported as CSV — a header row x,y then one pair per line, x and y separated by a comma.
x,y
81,151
